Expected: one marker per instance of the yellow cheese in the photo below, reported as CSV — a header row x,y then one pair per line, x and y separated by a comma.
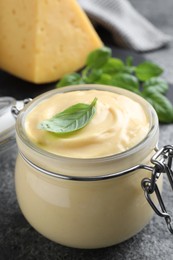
x,y
41,40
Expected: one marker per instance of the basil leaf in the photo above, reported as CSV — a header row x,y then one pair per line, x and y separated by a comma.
x,y
155,85
129,61
102,68
104,79
113,65
98,58
129,69
162,106
70,79
126,81
147,70
71,119
93,76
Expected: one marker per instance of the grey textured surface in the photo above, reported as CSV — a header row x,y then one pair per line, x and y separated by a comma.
x,y
19,241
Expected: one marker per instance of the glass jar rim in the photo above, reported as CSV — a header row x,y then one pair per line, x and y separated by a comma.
x,y
150,110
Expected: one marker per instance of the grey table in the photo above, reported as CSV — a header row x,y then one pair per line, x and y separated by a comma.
x,y
19,241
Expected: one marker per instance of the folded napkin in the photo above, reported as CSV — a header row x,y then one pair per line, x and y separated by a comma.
x,y
129,29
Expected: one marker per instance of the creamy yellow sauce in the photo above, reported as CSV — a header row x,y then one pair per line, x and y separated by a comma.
x,y
118,124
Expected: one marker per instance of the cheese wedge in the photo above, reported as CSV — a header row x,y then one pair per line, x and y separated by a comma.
x,y
41,40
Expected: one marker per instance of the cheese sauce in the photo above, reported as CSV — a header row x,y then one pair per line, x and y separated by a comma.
x,y
118,124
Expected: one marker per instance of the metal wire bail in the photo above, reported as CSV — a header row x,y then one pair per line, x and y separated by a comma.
x,y
15,110
162,161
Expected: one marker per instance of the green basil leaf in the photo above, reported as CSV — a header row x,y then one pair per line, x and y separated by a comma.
x,y
71,119
93,76
104,79
98,58
126,81
113,65
70,79
162,106
129,61
147,70
129,69
143,79
155,85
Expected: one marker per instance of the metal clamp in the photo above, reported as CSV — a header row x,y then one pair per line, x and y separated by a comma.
x,y
15,110
162,161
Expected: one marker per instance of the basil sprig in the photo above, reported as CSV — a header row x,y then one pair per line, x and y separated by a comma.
x,y
71,119
143,79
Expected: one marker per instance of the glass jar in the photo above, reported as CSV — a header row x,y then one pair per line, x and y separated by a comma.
x,y
89,203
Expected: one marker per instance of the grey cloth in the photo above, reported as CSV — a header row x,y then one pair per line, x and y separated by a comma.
x,y
128,28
